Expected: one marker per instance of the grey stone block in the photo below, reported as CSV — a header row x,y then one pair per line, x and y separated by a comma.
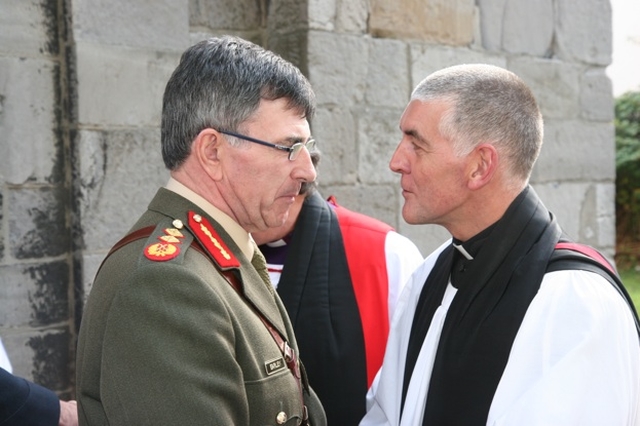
x,y
29,28
388,75
322,14
564,200
121,87
227,14
491,23
41,356
156,25
338,67
285,16
293,47
90,265
576,151
335,130
28,121
597,218
378,137
352,16
516,26
121,171
1,227
37,221
595,96
428,58
34,294
438,21
555,84
583,210
583,31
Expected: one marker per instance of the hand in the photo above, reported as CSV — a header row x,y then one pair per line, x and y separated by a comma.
x,y
68,413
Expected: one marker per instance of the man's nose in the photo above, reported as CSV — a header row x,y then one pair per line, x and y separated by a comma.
x,y
304,169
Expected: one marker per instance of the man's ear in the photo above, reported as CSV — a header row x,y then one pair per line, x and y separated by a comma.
x,y
206,149
483,165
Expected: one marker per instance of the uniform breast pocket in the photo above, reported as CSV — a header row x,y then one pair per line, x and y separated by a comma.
x,y
275,398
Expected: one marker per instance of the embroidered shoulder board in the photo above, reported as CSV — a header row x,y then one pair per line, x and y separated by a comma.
x,y
212,242
167,242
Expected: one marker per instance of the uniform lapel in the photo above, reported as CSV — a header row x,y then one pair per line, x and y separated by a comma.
x,y
222,251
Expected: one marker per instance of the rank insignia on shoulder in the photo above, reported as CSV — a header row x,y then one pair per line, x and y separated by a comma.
x,y
161,251
174,232
169,239
213,243
167,248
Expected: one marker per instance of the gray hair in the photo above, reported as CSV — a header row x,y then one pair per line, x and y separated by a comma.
x,y
489,104
219,83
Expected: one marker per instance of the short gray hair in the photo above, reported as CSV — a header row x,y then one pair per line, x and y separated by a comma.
x,y
489,104
219,83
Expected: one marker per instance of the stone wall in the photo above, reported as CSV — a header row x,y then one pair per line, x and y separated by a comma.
x,y
81,84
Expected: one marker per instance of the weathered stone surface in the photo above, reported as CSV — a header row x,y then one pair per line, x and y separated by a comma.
x,y
337,67
335,130
1,228
121,87
41,356
322,14
595,95
443,21
121,171
28,27
293,47
555,84
597,216
352,16
90,265
426,59
517,26
37,222
378,137
576,151
491,23
287,16
583,210
156,25
34,294
388,75
28,121
229,15
583,31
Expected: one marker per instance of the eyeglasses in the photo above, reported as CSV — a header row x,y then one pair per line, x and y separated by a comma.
x,y
293,150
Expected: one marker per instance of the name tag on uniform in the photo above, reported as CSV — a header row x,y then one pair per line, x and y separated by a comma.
x,y
274,366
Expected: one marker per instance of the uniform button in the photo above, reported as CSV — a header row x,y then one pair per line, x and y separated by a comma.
x,y
281,418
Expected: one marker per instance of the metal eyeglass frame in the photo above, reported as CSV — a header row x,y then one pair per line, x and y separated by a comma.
x,y
293,150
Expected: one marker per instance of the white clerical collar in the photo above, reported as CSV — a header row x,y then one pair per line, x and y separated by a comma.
x,y
237,233
463,251
278,243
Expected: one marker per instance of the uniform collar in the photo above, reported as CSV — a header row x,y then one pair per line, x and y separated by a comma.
x,y
241,237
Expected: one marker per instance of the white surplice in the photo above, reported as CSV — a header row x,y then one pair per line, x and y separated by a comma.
x,y
575,359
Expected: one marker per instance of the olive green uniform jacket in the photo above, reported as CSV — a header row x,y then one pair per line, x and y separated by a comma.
x,y
171,342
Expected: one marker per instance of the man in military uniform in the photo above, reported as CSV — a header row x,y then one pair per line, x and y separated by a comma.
x,y
182,325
